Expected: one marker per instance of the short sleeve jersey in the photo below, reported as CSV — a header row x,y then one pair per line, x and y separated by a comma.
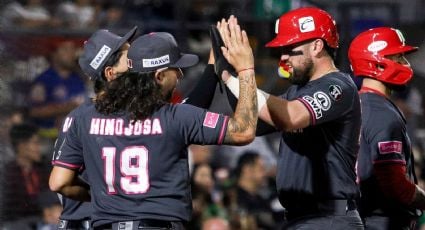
x,y
384,140
318,162
139,170
72,209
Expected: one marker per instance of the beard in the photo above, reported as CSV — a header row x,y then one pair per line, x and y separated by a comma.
x,y
300,76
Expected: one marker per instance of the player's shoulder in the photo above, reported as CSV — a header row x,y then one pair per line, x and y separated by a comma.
x,y
341,79
377,112
180,108
84,108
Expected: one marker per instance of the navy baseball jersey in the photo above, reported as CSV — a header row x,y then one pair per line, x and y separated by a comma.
x,y
72,209
384,141
318,162
139,170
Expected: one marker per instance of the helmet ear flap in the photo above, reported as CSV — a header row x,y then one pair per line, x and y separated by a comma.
x,y
373,46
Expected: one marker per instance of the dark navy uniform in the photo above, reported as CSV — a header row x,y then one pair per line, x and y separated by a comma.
x,y
316,175
384,141
75,214
139,170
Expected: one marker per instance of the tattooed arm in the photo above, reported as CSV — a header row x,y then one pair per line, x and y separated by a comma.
x,y
242,125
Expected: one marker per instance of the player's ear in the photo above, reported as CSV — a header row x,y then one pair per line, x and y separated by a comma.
x,y
109,73
317,46
159,76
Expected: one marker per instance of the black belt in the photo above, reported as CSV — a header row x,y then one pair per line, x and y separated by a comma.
x,y
337,207
328,207
73,224
137,224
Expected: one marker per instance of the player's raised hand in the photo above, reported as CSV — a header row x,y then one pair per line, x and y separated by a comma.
x,y
237,50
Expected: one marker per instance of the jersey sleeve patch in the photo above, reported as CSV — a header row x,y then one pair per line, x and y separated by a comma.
x,y
335,92
317,104
386,147
211,119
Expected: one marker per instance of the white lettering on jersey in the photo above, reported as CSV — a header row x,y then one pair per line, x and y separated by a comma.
x,y
156,127
119,126
110,127
315,106
66,124
94,126
116,127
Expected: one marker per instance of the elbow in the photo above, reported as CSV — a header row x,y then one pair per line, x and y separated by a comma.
x,y
293,124
247,137
55,186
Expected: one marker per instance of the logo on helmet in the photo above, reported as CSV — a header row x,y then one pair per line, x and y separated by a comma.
x,y
306,24
400,36
377,46
276,26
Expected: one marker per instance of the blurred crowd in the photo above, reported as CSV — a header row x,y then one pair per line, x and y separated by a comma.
x,y
232,187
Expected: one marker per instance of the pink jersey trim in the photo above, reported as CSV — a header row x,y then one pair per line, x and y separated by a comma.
x,y
223,128
310,110
67,165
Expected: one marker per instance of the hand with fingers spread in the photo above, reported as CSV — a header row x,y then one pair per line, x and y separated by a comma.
x,y
237,50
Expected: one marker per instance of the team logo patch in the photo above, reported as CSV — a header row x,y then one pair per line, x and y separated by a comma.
x,y
386,147
323,100
306,24
400,36
154,62
335,92
314,105
100,56
377,46
211,119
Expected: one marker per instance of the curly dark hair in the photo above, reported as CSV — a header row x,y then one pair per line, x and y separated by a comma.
x,y
136,93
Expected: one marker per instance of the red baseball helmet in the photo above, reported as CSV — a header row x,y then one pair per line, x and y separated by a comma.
x,y
368,51
303,24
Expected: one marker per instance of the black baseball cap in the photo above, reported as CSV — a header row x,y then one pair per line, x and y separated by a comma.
x,y
97,50
157,50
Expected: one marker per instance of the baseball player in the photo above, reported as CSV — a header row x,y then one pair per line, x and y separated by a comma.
x,y
76,214
319,117
390,197
133,143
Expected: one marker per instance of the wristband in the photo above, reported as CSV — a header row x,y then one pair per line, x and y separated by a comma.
x,y
262,98
245,69
233,84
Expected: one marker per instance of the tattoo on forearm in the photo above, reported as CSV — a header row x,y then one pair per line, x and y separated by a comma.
x,y
246,109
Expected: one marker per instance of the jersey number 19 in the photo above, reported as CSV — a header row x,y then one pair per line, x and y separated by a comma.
x,y
133,166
